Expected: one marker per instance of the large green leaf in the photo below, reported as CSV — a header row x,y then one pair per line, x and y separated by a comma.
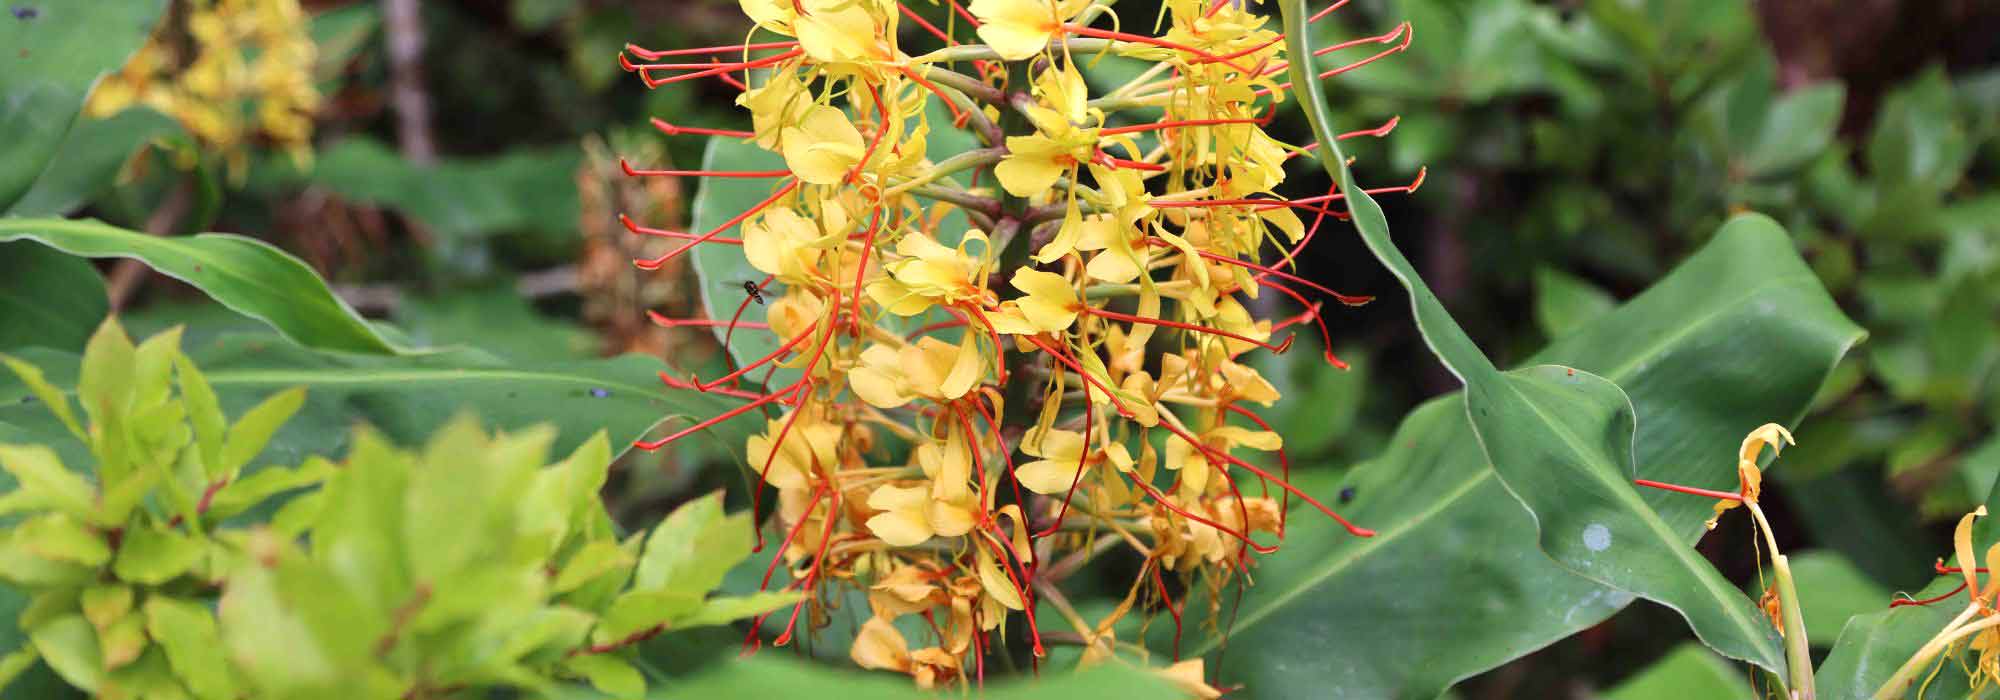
x,y
406,398
249,276
55,51
47,298
1461,587
1454,583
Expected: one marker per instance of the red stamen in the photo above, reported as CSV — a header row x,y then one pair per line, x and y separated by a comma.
x,y
669,380
1900,602
646,76
651,55
1280,348
1284,465
1082,462
634,227
674,130
1677,488
655,263
1323,13
1378,39
1318,319
1226,457
640,172
1150,41
825,538
1078,369
650,445
1116,130
1161,498
1348,299
1167,601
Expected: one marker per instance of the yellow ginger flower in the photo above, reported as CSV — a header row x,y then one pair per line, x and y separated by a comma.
x,y
1112,237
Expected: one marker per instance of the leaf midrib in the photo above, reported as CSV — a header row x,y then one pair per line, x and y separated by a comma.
x,y
1335,566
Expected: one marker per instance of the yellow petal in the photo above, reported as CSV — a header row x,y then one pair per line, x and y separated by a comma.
x,y
996,582
1961,540
1030,167
879,646
966,368
1767,434
823,147
1049,477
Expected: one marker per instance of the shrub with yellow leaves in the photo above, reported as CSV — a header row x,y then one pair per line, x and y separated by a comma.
x,y
1092,318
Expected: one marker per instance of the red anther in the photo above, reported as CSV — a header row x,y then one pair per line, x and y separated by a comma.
x,y
655,263
1900,602
1409,32
731,80
1317,16
669,380
676,130
1711,493
634,227
643,172
650,55
1383,38
652,82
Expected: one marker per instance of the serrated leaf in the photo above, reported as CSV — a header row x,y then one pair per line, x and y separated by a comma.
x,y
152,555
62,538
612,675
41,473
722,611
694,547
51,397
251,432
637,611
204,412
594,560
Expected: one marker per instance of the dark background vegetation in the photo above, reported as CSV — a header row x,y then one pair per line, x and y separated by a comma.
x,y
1575,152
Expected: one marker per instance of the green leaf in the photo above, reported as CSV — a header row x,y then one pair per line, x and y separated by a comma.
x,y
89,160
609,674
40,472
49,299
244,274
694,547
594,560
408,398
247,492
1561,440
61,538
722,611
253,431
53,58
1563,302
1454,583
722,269
641,610
1689,671
69,645
1796,130
152,555
51,397
204,412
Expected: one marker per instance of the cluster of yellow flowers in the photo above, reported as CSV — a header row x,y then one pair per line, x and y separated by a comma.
x,y
1092,317
231,71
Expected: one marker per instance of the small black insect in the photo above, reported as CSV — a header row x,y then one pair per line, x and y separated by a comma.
x,y
25,13
600,392
1346,495
751,289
